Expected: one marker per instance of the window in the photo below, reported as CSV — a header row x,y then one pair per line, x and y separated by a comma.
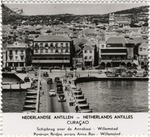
x,y
21,51
56,45
102,46
41,44
10,57
85,51
90,51
46,46
36,46
141,56
56,51
85,57
90,57
36,50
51,45
140,49
16,51
10,52
51,50
67,50
41,50
22,57
16,57
46,50
67,46
61,44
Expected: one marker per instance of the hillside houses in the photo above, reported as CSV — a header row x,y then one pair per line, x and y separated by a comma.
x,y
79,44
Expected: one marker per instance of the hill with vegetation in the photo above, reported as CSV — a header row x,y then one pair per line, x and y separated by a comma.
x,y
11,17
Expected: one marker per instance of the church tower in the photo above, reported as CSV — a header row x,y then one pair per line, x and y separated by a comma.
x,y
111,19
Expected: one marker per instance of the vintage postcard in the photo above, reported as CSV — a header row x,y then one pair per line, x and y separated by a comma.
x,y
72,69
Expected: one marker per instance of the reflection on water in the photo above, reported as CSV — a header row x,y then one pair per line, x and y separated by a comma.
x,y
13,101
116,96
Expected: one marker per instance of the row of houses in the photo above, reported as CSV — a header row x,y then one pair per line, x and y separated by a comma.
x,y
56,50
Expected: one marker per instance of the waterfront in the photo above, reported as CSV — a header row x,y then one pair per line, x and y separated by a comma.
x,y
116,96
13,101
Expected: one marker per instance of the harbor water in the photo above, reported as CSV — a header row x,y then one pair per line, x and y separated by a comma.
x,y
13,101
116,96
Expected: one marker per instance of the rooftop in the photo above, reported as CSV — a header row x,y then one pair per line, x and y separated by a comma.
x,y
88,47
52,38
117,40
144,45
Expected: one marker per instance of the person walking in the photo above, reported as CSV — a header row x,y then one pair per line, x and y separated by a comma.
x,y
76,108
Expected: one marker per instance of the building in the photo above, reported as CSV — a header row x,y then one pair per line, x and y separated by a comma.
x,y
119,21
116,52
90,54
143,54
16,54
4,55
49,50
4,58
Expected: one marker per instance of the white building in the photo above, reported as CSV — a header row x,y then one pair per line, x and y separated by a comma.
x,y
88,55
49,50
143,54
3,58
16,54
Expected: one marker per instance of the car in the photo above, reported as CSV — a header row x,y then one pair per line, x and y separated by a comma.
x,y
49,81
57,79
27,79
45,74
52,93
59,84
61,98
59,90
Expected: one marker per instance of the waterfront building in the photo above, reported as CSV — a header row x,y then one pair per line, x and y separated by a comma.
x,y
79,45
16,54
4,58
90,54
143,54
116,52
49,50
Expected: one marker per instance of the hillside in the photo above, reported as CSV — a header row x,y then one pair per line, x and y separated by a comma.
x,y
8,15
11,17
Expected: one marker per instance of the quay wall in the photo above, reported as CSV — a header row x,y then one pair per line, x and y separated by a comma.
x,y
13,75
90,79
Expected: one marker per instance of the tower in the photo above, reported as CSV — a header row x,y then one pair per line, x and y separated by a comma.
x,y
111,19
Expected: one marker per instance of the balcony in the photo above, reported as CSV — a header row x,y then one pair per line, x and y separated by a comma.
x,y
22,54
116,60
10,55
50,61
113,53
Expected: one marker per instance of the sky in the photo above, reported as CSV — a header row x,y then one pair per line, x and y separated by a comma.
x,y
78,9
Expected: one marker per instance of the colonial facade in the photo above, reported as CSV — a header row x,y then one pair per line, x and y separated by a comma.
x,y
88,56
16,54
117,52
4,58
143,54
49,50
